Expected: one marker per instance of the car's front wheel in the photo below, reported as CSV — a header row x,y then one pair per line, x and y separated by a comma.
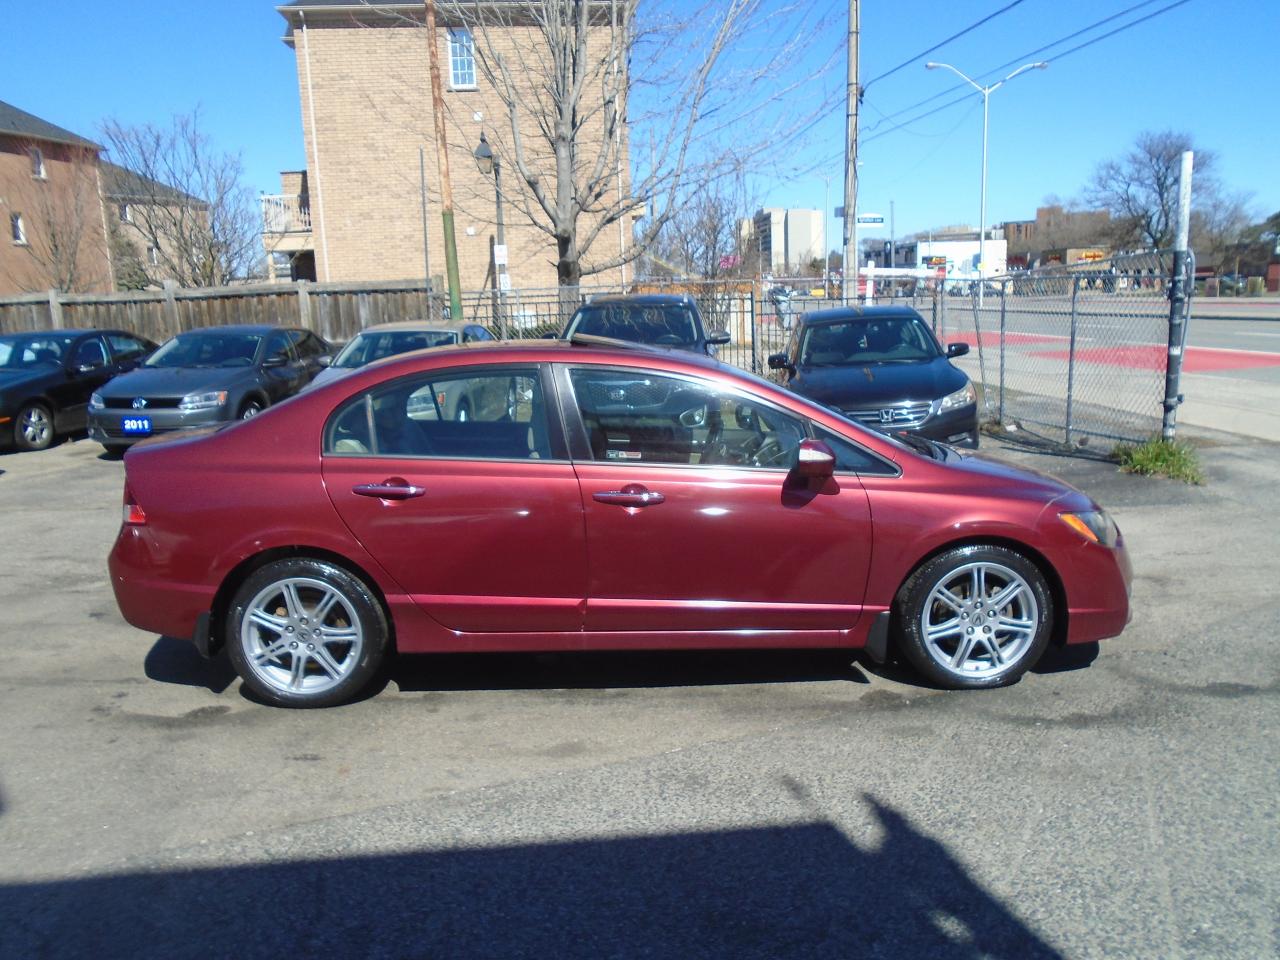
x,y
33,427
250,409
306,633
976,616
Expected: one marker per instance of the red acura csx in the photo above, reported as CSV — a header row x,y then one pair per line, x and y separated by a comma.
x,y
592,496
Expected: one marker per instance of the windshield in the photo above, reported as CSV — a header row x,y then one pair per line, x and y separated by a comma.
x,y
207,350
21,351
374,345
661,324
898,339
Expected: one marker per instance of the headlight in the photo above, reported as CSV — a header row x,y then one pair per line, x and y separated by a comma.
x,y
203,401
961,398
1094,525
95,401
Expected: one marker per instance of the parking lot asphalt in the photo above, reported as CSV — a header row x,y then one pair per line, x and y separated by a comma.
x,y
1119,802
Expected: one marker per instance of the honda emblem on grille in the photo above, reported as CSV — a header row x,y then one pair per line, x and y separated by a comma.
x,y
887,415
139,402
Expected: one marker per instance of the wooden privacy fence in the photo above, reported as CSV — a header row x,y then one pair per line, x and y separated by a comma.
x,y
336,311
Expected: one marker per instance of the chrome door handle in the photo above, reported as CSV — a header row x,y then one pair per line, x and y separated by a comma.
x,y
391,489
632,495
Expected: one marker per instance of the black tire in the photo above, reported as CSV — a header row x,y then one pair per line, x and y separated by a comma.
x,y
1002,643
270,677
33,427
250,409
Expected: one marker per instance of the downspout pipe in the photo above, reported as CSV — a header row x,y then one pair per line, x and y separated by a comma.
x,y
315,146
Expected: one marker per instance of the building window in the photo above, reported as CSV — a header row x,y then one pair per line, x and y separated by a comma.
x,y
153,256
462,60
37,164
17,229
126,213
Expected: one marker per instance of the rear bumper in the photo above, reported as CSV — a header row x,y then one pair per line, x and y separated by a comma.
x,y
147,598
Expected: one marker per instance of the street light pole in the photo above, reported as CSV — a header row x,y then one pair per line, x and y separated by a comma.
x,y
986,100
488,163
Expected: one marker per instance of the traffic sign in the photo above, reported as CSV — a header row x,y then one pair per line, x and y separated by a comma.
x,y
871,218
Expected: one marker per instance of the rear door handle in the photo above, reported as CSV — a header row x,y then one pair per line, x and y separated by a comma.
x,y
393,488
632,495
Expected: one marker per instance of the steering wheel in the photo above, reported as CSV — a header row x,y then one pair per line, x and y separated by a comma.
x,y
769,453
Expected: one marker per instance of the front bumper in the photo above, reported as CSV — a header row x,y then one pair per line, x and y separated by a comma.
x,y
105,426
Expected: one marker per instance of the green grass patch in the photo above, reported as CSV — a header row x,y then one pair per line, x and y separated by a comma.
x,y
1160,458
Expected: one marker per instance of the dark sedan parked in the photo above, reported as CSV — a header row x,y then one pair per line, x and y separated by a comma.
x,y
884,368
46,379
205,376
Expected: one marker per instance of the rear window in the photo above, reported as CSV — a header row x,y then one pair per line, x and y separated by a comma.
x,y
659,324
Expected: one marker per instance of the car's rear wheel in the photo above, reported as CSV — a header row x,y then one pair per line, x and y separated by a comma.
x,y
306,633
974,617
33,427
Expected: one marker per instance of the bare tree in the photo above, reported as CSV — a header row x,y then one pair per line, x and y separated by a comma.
x,y
1140,189
704,90
704,236
185,201
64,232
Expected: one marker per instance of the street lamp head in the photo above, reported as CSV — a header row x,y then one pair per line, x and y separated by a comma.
x,y
932,66
485,159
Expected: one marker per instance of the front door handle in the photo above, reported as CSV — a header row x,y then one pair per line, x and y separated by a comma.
x,y
632,495
393,488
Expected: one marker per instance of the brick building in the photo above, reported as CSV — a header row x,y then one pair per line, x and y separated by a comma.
x,y
51,208
356,212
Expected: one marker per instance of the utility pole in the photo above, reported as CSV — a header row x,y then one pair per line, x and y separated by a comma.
x,y
852,95
893,251
442,163
422,189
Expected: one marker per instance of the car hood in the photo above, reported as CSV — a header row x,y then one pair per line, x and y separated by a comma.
x,y
863,385
20,379
994,473
174,381
329,375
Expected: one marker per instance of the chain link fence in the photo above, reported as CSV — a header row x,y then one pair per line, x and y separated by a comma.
x,y
1068,354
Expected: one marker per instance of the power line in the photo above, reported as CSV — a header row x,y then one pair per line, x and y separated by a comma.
x,y
1056,57
938,46
1018,59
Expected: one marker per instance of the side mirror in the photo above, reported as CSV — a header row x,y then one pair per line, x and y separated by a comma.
x,y
718,338
325,360
957,349
815,460
88,367
779,361
276,361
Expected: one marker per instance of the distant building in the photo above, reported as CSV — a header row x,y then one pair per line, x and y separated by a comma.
x,y
1056,228
51,208
787,241
953,249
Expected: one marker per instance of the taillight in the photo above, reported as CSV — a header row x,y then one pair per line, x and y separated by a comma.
x,y
134,515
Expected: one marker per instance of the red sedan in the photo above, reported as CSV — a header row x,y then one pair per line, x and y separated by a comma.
x,y
596,497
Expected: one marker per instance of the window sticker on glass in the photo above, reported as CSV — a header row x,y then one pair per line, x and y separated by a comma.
x,y
624,454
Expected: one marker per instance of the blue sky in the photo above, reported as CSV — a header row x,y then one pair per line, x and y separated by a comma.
x,y
1207,67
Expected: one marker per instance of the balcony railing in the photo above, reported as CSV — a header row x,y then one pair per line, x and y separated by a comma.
x,y
286,213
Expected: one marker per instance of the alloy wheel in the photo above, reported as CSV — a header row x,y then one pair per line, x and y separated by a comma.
x,y
979,619
301,636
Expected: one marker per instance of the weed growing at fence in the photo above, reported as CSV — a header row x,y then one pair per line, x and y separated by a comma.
x,y
1160,458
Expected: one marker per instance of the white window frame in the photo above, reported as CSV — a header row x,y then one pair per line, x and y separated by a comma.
x,y
38,169
462,59
125,210
153,256
18,229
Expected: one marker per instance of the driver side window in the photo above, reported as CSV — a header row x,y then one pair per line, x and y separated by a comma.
x,y
90,354
637,417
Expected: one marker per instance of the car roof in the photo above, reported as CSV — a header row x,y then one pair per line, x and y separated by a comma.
x,y
65,332
643,299
242,328
844,314
416,326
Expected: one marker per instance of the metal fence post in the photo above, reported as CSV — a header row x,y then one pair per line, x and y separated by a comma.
x,y
1179,305
1071,357
755,332
1003,289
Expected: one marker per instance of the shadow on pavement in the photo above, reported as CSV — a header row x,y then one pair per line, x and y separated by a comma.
x,y
174,660
666,668
1062,658
789,891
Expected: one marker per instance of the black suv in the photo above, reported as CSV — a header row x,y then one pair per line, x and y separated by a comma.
x,y
882,367
663,320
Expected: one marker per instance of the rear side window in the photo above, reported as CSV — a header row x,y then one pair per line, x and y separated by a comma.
x,y
455,415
